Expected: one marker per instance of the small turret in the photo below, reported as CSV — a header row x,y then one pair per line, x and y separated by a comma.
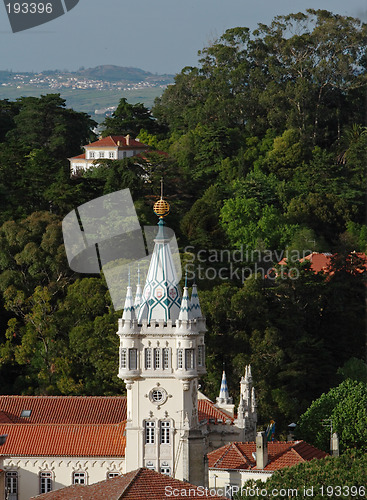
x,y
185,310
224,401
247,409
138,294
195,303
129,310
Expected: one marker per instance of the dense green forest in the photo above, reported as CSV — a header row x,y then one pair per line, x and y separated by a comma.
x,y
267,148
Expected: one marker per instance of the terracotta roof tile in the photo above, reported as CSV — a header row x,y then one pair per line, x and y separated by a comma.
x,y
64,409
88,440
113,140
82,410
207,411
81,157
320,262
141,484
281,454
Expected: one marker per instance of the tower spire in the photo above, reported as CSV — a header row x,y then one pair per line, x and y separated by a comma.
x,y
161,298
185,310
129,312
223,392
195,303
224,401
138,294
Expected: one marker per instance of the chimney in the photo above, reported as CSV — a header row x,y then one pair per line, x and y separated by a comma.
x,y
127,140
119,143
334,445
261,450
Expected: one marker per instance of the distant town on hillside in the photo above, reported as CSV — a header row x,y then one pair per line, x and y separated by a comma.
x,y
95,91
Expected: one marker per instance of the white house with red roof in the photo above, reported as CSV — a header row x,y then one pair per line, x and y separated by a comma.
x,y
237,462
113,147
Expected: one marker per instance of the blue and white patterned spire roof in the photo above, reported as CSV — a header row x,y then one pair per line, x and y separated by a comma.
x,y
195,303
223,393
185,311
129,311
161,295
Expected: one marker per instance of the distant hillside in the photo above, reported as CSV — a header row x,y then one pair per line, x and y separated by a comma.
x,y
114,73
106,73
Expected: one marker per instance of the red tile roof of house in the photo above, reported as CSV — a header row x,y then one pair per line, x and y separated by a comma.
x,y
113,140
73,425
64,409
207,411
81,410
67,440
320,262
79,157
141,484
280,454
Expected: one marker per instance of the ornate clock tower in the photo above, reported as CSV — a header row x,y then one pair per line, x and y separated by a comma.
x,y
162,355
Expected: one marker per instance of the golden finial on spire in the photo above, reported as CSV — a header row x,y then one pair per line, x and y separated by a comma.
x,y
161,207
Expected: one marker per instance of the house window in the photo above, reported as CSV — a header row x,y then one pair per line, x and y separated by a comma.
x,y
123,358
11,485
124,154
149,432
179,359
189,359
165,470
133,359
112,155
157,358
101,154
148,358
112,474
45,482
165,432
92,154
201,355
79,478
166,358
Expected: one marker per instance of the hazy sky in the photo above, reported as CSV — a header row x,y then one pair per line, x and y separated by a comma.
x,y
159,36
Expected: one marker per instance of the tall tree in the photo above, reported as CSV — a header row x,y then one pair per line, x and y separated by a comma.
x,y
129,119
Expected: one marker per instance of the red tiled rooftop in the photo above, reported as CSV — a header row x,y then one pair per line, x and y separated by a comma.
x,y
88,440
141,484
113,140
207,411
64,409
82,410
320,262
280,454
79,157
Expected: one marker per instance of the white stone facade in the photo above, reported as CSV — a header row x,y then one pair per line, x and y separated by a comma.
x,y
26,475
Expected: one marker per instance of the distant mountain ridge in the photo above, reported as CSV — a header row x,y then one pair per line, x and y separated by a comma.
x,y
107,73
113,73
